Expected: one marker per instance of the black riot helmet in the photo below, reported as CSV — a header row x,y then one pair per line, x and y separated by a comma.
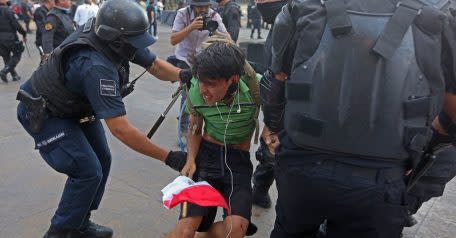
x,y
123,19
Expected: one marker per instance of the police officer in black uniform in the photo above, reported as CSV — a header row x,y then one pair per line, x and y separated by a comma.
x,y
263,177
82,82
352,90
59,25
231,16
10,47
40,20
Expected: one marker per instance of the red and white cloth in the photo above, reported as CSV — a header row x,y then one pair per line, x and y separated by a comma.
x,y
183,189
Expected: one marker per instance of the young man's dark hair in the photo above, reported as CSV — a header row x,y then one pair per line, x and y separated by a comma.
x,y
219,60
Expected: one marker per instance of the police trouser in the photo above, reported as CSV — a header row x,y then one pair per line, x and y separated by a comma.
x,y
81,152
263,177
432,183
10,55
356,201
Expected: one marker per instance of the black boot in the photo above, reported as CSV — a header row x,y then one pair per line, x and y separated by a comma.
x,y
97,231
261,197
56,233
3,73
259,37
410,220
16,77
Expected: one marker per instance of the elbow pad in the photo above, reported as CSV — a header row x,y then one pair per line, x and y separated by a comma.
x,y
272,92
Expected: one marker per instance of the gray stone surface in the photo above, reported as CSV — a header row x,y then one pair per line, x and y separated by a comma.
x,y
30,189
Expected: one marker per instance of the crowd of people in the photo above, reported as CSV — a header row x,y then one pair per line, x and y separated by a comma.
x,y
357,100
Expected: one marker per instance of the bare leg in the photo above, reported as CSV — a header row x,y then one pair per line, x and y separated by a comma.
x,y
222,228
186,228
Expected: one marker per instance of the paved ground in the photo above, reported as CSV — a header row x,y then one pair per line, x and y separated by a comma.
x,y
30,190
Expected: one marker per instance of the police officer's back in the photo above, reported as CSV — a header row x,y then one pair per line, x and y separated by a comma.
x,y
59,25
352,89
10,46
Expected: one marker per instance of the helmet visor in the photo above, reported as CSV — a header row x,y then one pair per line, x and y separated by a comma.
x,y
141,41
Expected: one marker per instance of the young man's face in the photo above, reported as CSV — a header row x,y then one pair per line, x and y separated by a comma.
x,y
214,90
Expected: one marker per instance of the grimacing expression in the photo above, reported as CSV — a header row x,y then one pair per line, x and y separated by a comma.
x,y
213,90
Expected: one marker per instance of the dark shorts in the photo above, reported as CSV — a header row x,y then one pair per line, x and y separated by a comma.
x,y
211,168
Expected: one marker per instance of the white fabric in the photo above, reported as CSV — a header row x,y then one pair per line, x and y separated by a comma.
x,y
179,184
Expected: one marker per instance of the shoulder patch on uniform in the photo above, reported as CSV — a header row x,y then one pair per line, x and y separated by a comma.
x,y
107,87
48,26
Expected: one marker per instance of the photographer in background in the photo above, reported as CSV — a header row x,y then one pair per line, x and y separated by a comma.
x,y
188,33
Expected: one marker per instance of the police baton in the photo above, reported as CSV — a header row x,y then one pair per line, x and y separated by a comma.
x,y
26,47
163,115
424,165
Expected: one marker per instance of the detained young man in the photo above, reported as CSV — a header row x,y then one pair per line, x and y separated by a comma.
x,y
220,99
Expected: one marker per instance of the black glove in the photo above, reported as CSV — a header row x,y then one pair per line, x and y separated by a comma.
x,y
272,92
185,76
437,140
263,155
176,160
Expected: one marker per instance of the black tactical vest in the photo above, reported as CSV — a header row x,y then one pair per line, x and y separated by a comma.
x,y
362,93
48,79
7,30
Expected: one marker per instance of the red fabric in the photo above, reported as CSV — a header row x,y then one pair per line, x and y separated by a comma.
x,y
203,195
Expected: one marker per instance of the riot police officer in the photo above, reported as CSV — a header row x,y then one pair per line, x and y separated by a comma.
x,y
263,177
10,47
352,90
81,82
40,20
59,25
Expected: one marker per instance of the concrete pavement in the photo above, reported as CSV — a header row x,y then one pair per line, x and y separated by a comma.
x,y
30,189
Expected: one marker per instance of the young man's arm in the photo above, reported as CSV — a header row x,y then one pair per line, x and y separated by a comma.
x,y
194,138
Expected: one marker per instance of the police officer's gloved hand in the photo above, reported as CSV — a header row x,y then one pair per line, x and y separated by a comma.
x,y
176,160
263,155
437,140
185,76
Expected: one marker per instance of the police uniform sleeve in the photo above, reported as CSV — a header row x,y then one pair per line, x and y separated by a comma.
x,y
48,34
449,54
282,34
39,18
102,88
144,57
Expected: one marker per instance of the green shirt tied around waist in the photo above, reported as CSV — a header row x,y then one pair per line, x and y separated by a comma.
x,y
241,125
